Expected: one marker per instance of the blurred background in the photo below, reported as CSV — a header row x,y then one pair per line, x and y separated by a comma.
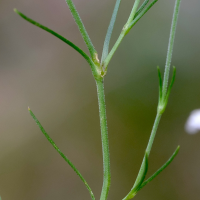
x,y
40,71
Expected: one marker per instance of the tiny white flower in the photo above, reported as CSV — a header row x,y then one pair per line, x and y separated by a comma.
x,y
192,125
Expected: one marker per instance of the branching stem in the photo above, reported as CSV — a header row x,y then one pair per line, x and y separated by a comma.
x,y
161,109
122,34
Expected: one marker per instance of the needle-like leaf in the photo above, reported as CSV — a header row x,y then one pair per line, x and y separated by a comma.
x,y
161,169
88,59
141,8
110,30
60,152
140,15
141,178
82,29
160,84
171,84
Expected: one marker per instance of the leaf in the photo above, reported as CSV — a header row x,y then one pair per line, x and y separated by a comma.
x,y
171,84
82,29
140,179
161,169
88,59
160,83
141,8
60,152
140,15
53,33
109,31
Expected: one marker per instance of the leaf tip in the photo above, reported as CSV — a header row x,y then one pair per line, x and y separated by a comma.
x,y
15,10
174,68
29,108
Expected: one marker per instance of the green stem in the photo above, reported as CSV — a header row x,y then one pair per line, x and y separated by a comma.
x,y
116,45
149,146
153,133
161,109
104,137
133,12
82,29
171,46
124,31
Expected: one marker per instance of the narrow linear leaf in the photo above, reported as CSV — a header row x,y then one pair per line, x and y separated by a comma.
x,y
142,175
110,30
130,23
160,83
171,84
82,29
62,155
161,169
141,178
88,59
140,15
53,33
141,8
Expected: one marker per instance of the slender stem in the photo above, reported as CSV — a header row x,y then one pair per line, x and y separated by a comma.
x,y
171,46
149,146
122,35
160,111
133,12
153,133
140,15
104,138
124,31
116,45
82,29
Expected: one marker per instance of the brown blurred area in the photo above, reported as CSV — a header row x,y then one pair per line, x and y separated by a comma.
x,y
40,71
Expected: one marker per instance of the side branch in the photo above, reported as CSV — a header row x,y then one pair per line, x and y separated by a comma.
x,y
82,29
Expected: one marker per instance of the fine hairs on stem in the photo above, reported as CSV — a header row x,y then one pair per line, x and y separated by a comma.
x,y
99,70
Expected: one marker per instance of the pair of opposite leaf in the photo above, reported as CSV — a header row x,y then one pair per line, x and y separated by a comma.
x,y
162,103
99,71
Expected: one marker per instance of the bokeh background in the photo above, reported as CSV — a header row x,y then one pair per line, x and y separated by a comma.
x,y
40,71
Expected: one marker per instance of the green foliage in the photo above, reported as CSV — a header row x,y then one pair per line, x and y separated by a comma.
x,y
99,71
87,58
161,169
60,152
141,178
